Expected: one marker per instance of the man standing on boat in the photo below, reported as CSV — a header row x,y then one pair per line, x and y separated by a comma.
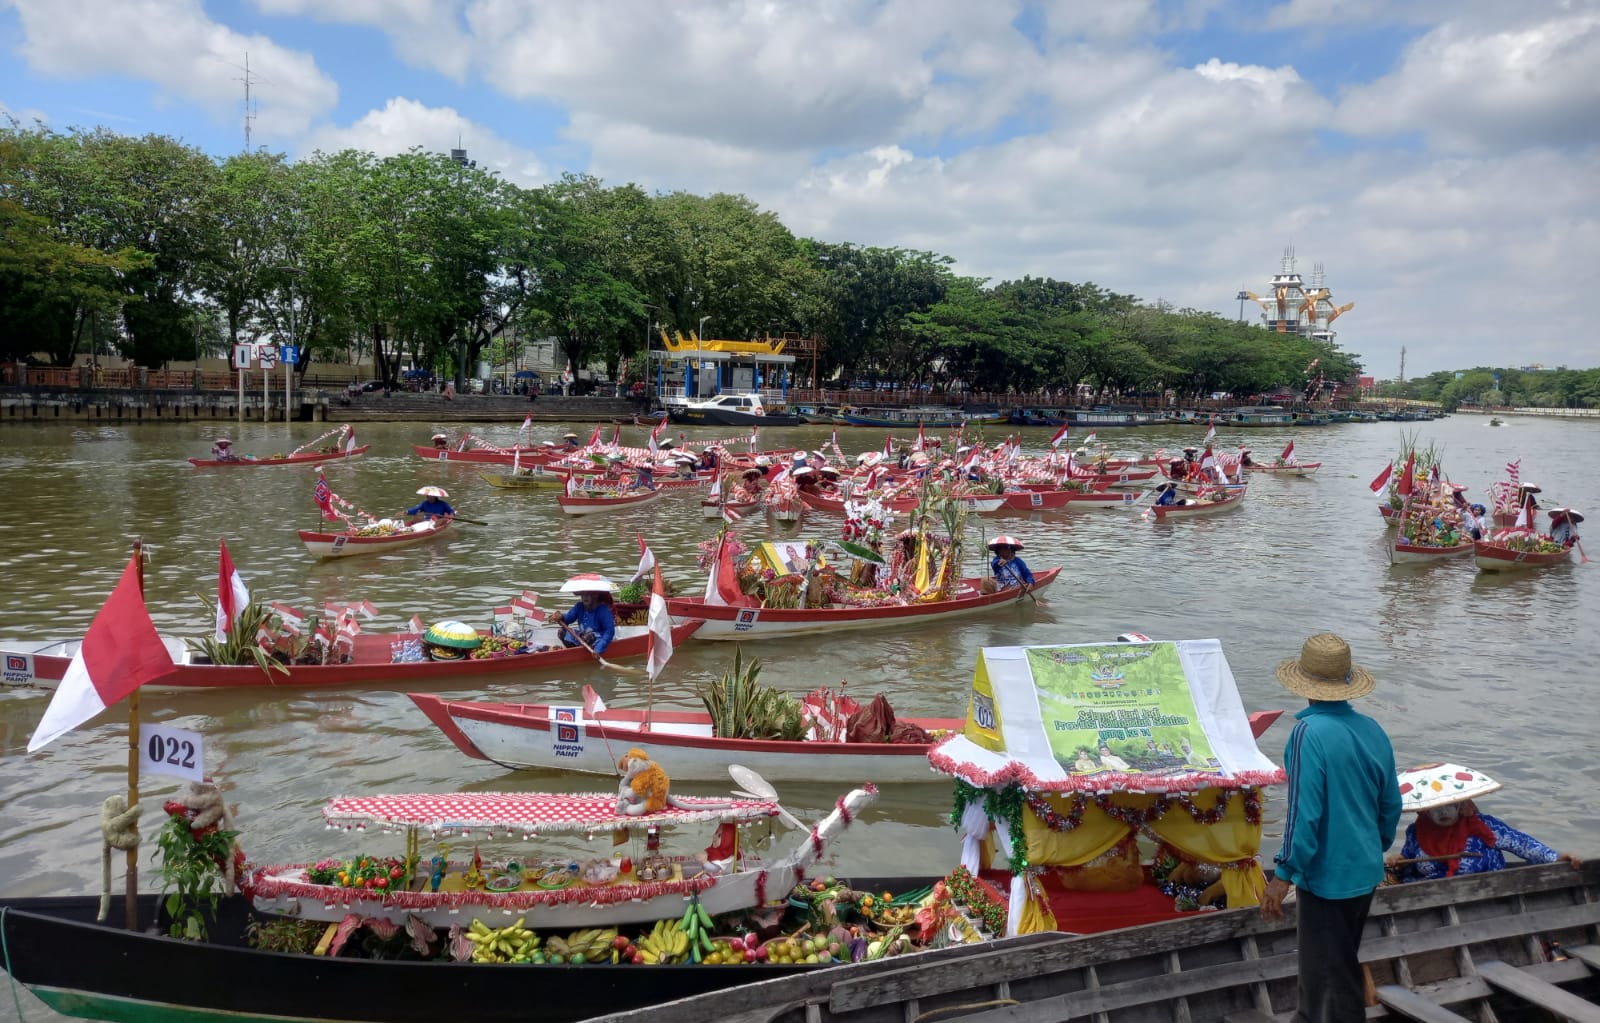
x,y
1344,806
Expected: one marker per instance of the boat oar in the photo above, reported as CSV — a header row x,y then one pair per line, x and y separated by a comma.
x,y
621,669
1583,558
463,518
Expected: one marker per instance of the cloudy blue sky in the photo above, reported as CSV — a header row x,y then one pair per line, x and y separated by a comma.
x,y
1441,158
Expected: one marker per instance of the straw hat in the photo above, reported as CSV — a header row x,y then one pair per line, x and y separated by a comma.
x,y
828,470
1005,541
569,436
763,460
223,442
441,436
666,443
431,492
804,470
1565,513
1323,671
1429,786
588,582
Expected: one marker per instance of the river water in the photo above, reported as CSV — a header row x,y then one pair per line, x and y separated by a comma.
x,y
1487,670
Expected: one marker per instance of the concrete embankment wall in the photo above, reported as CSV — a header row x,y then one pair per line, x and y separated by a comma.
x,y
161,406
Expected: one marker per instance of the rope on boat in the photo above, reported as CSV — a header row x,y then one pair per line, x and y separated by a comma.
x,y
119,829
5,961
993,1003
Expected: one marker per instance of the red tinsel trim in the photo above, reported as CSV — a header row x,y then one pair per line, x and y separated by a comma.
x,y
761,889
1141,819
1019,774
603,895
816,842
844,812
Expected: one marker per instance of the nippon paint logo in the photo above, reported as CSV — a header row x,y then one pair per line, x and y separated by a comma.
x,y
18,669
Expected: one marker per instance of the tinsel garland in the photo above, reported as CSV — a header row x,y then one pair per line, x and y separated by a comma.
x,y
271,887
341,430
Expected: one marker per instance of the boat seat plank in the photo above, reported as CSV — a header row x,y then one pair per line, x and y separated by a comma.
x,y
1589,955
1541,993
1248,1016
1413,1006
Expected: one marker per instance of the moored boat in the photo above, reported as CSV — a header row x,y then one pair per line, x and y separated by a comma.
x,y
525,479
590,502
1502,553
304,458
383,535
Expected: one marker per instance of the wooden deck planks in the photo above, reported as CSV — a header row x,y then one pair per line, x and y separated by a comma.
x,y
1413,1006
1547,996
1589,955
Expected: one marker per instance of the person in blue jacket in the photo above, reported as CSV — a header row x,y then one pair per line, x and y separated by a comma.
x,y
590,621
1009,570
1450,836
1343,808
433,505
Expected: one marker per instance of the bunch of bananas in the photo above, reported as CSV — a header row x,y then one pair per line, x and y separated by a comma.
x,y
593,945
667,942
510,944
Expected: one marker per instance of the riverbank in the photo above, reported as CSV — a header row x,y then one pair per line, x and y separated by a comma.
x,y
223,407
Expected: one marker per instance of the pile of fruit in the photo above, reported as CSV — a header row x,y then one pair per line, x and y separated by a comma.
x,y
384,528
593,945
369,872
498,646
511,944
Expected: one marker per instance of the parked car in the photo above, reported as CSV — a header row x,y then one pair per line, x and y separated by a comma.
x,y
372,385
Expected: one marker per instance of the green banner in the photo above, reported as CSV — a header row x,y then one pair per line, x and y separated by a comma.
x,y
1120,708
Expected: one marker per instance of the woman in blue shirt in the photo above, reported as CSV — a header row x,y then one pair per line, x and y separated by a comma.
x,y
1009,570
1450,836
589,622
433,505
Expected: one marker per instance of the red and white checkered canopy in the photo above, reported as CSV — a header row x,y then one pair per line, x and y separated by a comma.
x,y
529,811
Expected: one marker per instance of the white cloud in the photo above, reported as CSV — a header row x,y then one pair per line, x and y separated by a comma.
x,y
174,45
1481,85
404,123
425,33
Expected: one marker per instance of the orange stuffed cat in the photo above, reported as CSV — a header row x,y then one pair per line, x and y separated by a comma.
x,y
644,785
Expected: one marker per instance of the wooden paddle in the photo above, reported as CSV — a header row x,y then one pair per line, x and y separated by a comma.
x,y
475,522
619,668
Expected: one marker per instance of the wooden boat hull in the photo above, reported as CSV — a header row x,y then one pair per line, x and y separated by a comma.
x,y
726,622
1303,469
1052,500
1391,516
539,479
43,665
789,513
1492,557
578,504
138,976
309,458
348,545
1419,554
521,735
1174,512
529,455
713,509
1223,967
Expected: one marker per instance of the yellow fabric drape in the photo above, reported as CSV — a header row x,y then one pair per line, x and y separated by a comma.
x,y
1228,841
1037,917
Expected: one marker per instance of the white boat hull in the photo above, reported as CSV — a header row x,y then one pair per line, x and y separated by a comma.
x,y
344,545
1417,554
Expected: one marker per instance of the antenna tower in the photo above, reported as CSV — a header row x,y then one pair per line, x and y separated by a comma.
x,y
249,112
1402,364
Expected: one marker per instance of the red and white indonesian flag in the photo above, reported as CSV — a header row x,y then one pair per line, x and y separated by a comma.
x,y
120,653
572,483
659,642
1093,436
888,446
232,595
594,438
349,440
647,559
527,424
1288,453
922,438
1211,433
1382,479
654,449
754,432
1060,435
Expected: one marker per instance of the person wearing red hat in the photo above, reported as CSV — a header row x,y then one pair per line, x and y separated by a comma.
x,y
1009,570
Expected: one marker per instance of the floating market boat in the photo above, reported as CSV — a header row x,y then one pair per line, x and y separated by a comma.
x,y
372,663
1507,554
590,502
305,458
1403,552
1053,500
597,894
1297,469
1391,514
1170,512
835,504
530,455
525,736
527,479
383,535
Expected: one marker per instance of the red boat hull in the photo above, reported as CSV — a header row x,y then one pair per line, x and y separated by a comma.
x,y
1492,557
309,458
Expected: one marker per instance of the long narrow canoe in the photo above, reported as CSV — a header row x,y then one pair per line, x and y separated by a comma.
x,y
372,663
1298,469
1404,553
730,622
528,479
1053,500
528,455
305,458
1171,512
1497,557
713,509
583,503
348,544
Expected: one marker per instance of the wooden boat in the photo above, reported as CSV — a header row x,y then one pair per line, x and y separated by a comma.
x,y
349,543
735,622
43,664
1054,500
835,504
1403,553
1258,417
536,478
288,890
1497,556
535,455
1472,943
713,509
1172,512
788,512
523,735
304,458
589,502
1298,469
1391,514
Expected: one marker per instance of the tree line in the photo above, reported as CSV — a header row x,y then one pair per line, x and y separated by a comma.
x,y
1538,388
154,250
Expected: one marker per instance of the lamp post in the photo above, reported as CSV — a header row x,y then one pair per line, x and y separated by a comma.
x,y
1241,296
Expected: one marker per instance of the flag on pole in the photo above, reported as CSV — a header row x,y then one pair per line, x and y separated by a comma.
x,y
1094,435
922,438
289,619
120,652
1408,478
516,460
729,515
349,441
647,559
232,595
659,643
754,430
1433,474
616,437
834,440
654,448
1288,453
415,625
1514,472
1211,433
716,487
1060,435
1382,480
594,438
572,484
324,497
888,445
527,424
1525,514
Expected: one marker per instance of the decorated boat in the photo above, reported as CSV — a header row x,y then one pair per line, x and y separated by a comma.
x,y
713,508
1227,501
373,538
582,737
303,458
389,659
535,478
1404,552
1512,550
835,502
1054,500
590,502
1295,469
551,890
774,592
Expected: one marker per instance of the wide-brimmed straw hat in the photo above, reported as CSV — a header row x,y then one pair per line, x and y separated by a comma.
x,y
588,582
1005,541
1565,513
804,470
1323,671
1429,786
431,492
223,442
569,436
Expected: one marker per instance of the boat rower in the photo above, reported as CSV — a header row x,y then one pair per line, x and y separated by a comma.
x,y
1009,570
441,441
1449,836
434,505
222,450
589,622
1563,526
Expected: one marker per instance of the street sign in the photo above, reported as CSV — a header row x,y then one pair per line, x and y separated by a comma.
x,y
243,355
268,356
289,353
